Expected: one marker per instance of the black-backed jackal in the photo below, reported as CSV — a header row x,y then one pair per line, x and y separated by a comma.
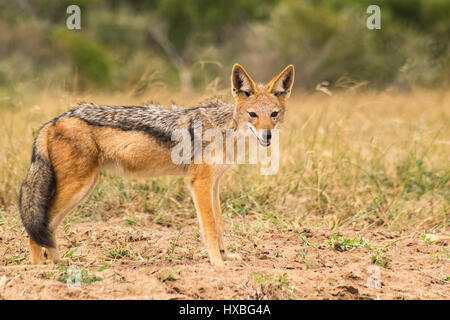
x,y
70,150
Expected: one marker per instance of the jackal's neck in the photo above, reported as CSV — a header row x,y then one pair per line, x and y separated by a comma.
x,y
219,113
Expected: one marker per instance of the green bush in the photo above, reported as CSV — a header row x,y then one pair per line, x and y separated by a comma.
x,y
133,43
90,60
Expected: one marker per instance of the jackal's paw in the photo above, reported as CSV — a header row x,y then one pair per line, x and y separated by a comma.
x,y
37,257
52,256
38,261
217,261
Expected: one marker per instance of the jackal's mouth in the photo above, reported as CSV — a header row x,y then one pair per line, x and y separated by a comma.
x,y
261,142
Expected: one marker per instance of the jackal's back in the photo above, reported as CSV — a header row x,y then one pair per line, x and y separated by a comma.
x,y
153,120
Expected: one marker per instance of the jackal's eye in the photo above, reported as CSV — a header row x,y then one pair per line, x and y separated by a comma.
x,y
253,115
278,94
274,114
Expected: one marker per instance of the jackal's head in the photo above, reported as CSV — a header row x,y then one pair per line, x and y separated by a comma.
x,y
260,108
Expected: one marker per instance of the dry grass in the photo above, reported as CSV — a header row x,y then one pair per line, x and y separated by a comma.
x,y
363,178
352,160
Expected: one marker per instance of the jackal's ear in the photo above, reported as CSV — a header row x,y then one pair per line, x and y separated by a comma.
x,y
281,85
242,85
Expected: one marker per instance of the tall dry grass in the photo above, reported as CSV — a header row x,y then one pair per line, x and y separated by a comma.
x,y
351,160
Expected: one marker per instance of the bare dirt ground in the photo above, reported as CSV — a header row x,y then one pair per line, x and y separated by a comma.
x,y
117,259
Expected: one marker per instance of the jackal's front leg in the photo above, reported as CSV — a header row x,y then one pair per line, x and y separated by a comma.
x,y
201,182
226,255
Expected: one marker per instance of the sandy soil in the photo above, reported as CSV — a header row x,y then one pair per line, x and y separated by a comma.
x,y
121,260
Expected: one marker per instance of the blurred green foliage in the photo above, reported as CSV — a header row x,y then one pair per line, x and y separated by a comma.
x,y
193,44
90,59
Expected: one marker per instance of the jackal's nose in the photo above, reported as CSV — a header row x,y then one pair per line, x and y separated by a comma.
x,y
266,136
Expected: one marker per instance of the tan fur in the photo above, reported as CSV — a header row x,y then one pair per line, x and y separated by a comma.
x,y
78,151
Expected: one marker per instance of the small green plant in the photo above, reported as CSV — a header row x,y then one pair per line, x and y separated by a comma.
x,y
306,242
379,259
437,256
445,253
346,244
232,248
70,253
172,275
163,219
172,247
17,260
282,281
279,282
304,253
426,238
310,264
104,267
131,222
118,254
259,278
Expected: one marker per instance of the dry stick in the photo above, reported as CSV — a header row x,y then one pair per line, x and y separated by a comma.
x,y
11,281
23,291
433,277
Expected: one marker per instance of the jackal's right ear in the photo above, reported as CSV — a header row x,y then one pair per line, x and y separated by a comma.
x,y
242,85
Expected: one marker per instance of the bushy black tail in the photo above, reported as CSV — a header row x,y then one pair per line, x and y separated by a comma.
x,y
35,197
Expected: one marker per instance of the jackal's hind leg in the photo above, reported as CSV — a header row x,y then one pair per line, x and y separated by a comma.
x,y
67,197
36,253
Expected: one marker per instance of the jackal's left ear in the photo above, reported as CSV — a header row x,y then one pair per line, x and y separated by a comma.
x,y
281,85
242,85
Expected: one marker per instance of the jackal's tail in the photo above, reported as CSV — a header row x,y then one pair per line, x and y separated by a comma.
x,y
35,197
